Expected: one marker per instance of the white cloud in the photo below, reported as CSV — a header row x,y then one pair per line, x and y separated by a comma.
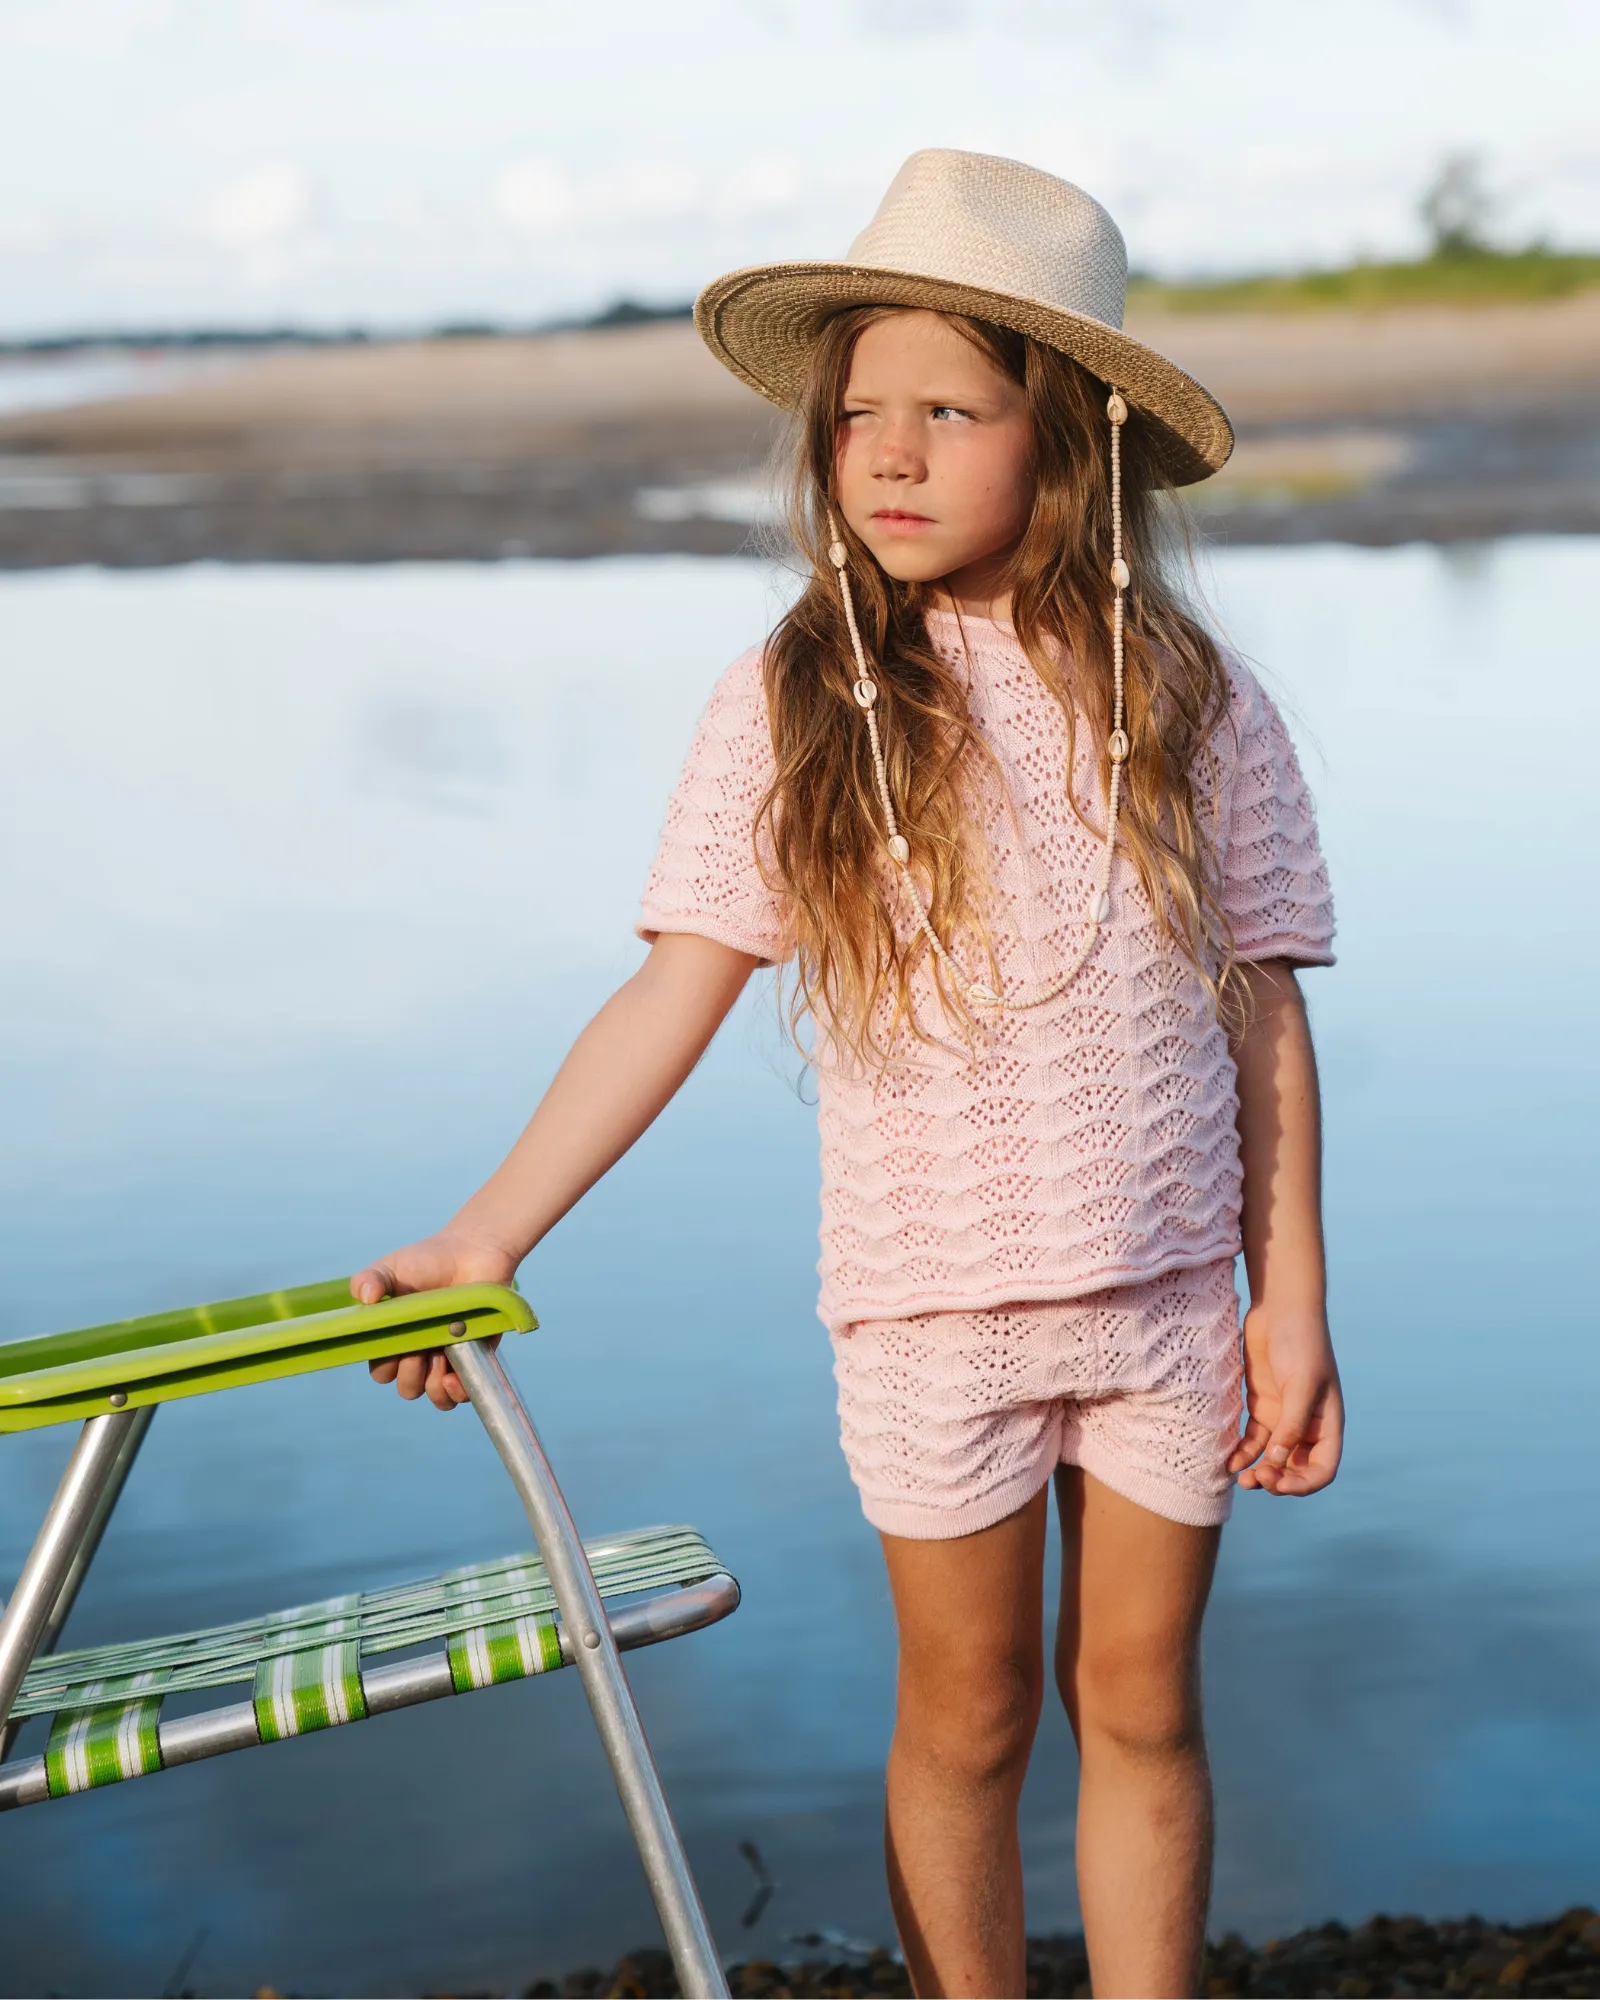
x,y
262,210
635,150
97,30
535,196
654,191
760,187
538,198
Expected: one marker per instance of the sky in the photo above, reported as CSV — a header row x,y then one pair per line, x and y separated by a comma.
x,y
402,163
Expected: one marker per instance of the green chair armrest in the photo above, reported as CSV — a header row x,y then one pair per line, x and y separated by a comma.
x,y
192,1352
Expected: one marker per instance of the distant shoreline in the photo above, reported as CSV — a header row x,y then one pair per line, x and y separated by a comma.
x,y
1422,424
180,339
1454,279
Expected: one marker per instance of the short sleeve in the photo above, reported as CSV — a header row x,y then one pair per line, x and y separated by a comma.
x,y
707,876
1275,885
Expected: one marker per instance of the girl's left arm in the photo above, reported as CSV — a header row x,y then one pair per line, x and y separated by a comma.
x,y
1295,1431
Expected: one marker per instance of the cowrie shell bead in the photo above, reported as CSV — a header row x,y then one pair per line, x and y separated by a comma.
x,y
899,848
1116,408
1118,746
838,555
1120,574
981,995
1102,906
866,693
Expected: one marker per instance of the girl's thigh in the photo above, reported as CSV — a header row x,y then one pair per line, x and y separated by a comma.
x,y
970,1609
1134,1586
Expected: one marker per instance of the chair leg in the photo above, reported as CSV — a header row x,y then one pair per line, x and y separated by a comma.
x,y
71,1525
110,1493
500,1409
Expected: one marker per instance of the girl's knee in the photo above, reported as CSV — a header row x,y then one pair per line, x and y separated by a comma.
x,y
1136,1695
973,1716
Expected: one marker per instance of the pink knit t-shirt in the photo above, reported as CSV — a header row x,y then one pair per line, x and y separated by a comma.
x,y
1086,1143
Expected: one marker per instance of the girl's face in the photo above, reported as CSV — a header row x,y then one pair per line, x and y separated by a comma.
x,y
934,455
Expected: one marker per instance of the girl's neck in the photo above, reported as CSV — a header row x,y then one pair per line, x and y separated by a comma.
x,y
980,590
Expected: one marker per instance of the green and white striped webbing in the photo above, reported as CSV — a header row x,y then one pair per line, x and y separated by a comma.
x,y
316,1688
107,1739
386,1621
497,1620
493,1647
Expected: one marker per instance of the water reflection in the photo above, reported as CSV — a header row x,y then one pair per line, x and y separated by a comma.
x,y
310,878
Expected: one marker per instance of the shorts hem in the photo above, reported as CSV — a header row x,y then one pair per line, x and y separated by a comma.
x,y
913,1521
1166,1497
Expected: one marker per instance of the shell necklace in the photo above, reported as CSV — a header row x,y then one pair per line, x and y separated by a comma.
x,y
974,991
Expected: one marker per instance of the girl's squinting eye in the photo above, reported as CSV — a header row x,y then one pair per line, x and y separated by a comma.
x,y
947,410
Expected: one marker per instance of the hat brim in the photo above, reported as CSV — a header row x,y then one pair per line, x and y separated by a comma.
x,y
763,322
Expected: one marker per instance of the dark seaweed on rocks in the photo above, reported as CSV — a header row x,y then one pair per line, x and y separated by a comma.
x,y
1387,1955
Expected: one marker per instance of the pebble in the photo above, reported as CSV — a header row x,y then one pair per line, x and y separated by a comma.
x,y
1386,1955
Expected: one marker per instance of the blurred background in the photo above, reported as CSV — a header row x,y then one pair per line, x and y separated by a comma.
x,y
372,529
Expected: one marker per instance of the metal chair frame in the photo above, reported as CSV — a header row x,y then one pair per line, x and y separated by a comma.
x,y
123,1384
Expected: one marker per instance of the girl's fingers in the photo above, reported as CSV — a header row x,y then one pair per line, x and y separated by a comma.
x,y
428,1374
1317,1463
1303,1457
439,1381
1308,1477
376,1282
1250,1446
412,1379
1300,1400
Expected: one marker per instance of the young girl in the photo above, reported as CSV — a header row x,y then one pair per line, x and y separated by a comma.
x,y
1042,861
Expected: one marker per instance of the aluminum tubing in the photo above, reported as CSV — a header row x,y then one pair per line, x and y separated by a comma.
x,y
67,1526
104,1507
396,1684
688,1608
500,1410
94,1528
23,1783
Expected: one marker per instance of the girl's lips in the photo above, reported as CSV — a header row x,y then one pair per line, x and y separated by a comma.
x,y
891,517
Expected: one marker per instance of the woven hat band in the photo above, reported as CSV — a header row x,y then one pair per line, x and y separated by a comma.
x,y
999,226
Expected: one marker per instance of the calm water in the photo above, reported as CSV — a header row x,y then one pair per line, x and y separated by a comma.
x,y
309,879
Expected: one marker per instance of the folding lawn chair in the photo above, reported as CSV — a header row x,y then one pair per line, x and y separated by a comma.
x,y
322,1664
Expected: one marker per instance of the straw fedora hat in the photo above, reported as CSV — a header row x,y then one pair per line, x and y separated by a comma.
x,y
991,238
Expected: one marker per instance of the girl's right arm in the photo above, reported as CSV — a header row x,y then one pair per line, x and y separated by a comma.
x,y
621,1073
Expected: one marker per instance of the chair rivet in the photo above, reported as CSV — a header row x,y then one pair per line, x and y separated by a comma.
x,y
118,1398
591,1640
457,1328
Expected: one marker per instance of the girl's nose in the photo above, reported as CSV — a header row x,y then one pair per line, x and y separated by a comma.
x,y
896,455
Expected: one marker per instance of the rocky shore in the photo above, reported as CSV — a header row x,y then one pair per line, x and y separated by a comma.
x,y
1388,1955
1427,423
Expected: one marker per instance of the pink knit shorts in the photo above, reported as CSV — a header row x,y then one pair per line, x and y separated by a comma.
x,y
952,1420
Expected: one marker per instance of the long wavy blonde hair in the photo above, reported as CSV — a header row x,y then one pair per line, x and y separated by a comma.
x,y
820,824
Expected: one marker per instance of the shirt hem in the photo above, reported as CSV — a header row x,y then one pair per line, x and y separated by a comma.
x,y
838,1316
1300,950
653,923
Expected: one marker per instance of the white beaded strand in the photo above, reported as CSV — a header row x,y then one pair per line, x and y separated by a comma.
x,y
975,991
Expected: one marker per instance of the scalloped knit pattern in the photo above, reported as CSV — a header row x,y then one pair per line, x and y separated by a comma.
x,y
953,1420
1088,1143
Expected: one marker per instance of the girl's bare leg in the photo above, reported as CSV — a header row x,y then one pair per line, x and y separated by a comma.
x,y
967,1702
1133,1593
